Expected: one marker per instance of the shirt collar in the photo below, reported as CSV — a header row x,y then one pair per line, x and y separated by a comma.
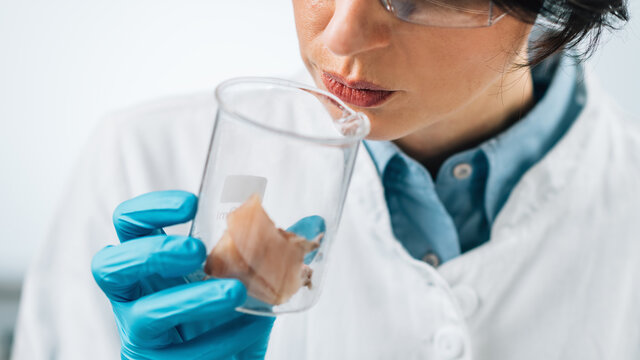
x,y
382,152
511,153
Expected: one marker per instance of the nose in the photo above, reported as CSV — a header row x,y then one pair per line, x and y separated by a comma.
x,y
357,26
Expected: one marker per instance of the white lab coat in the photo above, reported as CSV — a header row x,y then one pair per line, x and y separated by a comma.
x,y
559,279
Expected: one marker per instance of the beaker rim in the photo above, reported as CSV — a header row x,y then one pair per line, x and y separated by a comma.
x,y
351,139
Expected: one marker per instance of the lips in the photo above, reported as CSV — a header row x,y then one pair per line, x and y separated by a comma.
x,y
358,93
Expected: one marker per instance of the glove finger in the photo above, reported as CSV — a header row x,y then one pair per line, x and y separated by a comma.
x,y
221,343
143,214
191,330
121,270
309,227
205,301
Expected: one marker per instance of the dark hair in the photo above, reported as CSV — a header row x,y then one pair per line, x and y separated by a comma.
x,y
567,24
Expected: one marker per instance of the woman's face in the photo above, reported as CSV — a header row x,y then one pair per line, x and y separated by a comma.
x,y
434,73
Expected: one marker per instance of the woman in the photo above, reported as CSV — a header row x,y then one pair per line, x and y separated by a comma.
x,y
490,217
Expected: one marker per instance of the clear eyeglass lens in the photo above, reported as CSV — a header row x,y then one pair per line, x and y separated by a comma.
x,y
445,13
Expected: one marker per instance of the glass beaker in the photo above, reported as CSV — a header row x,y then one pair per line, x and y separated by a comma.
x,y
286,149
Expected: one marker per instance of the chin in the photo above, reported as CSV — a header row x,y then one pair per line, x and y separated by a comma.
x,y
380,132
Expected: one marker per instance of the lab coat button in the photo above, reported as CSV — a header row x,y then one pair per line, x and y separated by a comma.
x,y
449,343
462,171
431,258
467,299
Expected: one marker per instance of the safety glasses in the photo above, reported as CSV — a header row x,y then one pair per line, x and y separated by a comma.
x,y
446,13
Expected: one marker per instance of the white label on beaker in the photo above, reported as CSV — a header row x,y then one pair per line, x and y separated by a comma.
x,y
237,189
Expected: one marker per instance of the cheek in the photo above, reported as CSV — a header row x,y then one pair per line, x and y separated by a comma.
x,y
452,67
311,18
443,71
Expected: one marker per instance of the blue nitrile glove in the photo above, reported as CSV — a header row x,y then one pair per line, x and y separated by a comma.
x,y
158,315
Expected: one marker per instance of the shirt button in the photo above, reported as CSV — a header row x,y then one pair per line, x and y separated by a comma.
x,y
467,299
449,343
431,258
462,171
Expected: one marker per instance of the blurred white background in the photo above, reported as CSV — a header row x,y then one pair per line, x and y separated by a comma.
x,y
66,63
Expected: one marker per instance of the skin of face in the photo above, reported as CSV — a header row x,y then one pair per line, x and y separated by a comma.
x,y
454,86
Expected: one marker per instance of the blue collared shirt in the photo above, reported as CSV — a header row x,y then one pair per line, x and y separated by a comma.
x,y
454,213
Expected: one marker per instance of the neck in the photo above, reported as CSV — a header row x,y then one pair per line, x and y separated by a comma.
x,y
502,104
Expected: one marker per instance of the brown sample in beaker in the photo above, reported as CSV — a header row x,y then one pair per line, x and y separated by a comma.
x,y
268,260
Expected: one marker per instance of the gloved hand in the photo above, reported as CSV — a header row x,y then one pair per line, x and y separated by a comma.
x,y
158,314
